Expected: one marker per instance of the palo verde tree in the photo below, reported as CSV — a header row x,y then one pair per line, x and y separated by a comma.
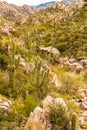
x,y
39,78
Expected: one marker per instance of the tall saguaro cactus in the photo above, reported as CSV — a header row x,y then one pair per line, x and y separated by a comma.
x,y
28,46
39,78
13,65
73,122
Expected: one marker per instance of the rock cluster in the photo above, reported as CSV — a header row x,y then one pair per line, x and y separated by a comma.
x,y
39,118
72,64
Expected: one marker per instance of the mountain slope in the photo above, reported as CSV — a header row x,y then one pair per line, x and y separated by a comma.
x,y
64,27
66,30
13,12
70,2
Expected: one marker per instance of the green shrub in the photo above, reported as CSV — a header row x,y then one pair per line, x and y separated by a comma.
x,y
29,104
59,117
70,85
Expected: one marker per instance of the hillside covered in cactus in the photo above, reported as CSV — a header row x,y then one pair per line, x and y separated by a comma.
x,y
43,66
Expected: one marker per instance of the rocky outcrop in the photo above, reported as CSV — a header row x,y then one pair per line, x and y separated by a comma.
x,y
39,119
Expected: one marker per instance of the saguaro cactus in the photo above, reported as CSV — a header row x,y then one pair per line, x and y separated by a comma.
x,y
39,78
28,46
13,65
73,122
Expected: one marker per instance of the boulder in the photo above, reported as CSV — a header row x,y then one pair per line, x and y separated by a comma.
x,y
47,102
5,105
37,120
54,52
54,81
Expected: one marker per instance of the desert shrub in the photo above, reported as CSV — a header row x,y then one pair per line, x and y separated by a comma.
x,y
70,85
59,117
29,104
72,107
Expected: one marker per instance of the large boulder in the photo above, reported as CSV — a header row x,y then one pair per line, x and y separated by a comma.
x,y
37,120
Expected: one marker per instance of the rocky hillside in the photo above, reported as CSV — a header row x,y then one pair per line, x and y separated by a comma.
x,y
56,25
70,2
43,62
59,25
13,12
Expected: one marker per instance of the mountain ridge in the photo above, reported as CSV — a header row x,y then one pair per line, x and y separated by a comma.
x,y
45,5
